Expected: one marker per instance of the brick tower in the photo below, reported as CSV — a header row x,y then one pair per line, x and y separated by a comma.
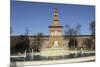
x,y
55,32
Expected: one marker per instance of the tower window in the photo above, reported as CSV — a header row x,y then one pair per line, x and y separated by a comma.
x,y
55,15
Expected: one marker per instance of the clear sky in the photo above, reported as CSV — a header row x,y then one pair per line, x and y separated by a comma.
x,y
38,16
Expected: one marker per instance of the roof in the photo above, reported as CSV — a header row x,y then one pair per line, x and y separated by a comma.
x,y
48,35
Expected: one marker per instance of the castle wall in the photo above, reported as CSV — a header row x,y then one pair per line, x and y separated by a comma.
x,y
45,43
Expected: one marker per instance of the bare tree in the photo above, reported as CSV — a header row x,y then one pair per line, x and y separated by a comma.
x,y
78,26
87,43
22,44
27,31
38,40
70,33
92,29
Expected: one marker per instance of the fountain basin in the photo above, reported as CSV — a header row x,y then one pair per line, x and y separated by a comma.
x,y
54,52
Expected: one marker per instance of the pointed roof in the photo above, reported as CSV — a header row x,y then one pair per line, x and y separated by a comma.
x,y
55,18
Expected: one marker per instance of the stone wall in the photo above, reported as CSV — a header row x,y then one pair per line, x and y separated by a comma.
x,y
45,43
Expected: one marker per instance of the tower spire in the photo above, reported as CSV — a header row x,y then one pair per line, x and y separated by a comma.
x,y
55,18
55,29
55,14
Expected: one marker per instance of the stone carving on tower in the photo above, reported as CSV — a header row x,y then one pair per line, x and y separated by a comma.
x,y
55,32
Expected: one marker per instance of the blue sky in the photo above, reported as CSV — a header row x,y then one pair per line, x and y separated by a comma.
x,y
38,16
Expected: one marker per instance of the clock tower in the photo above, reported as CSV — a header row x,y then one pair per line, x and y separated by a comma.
x,y
55,32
